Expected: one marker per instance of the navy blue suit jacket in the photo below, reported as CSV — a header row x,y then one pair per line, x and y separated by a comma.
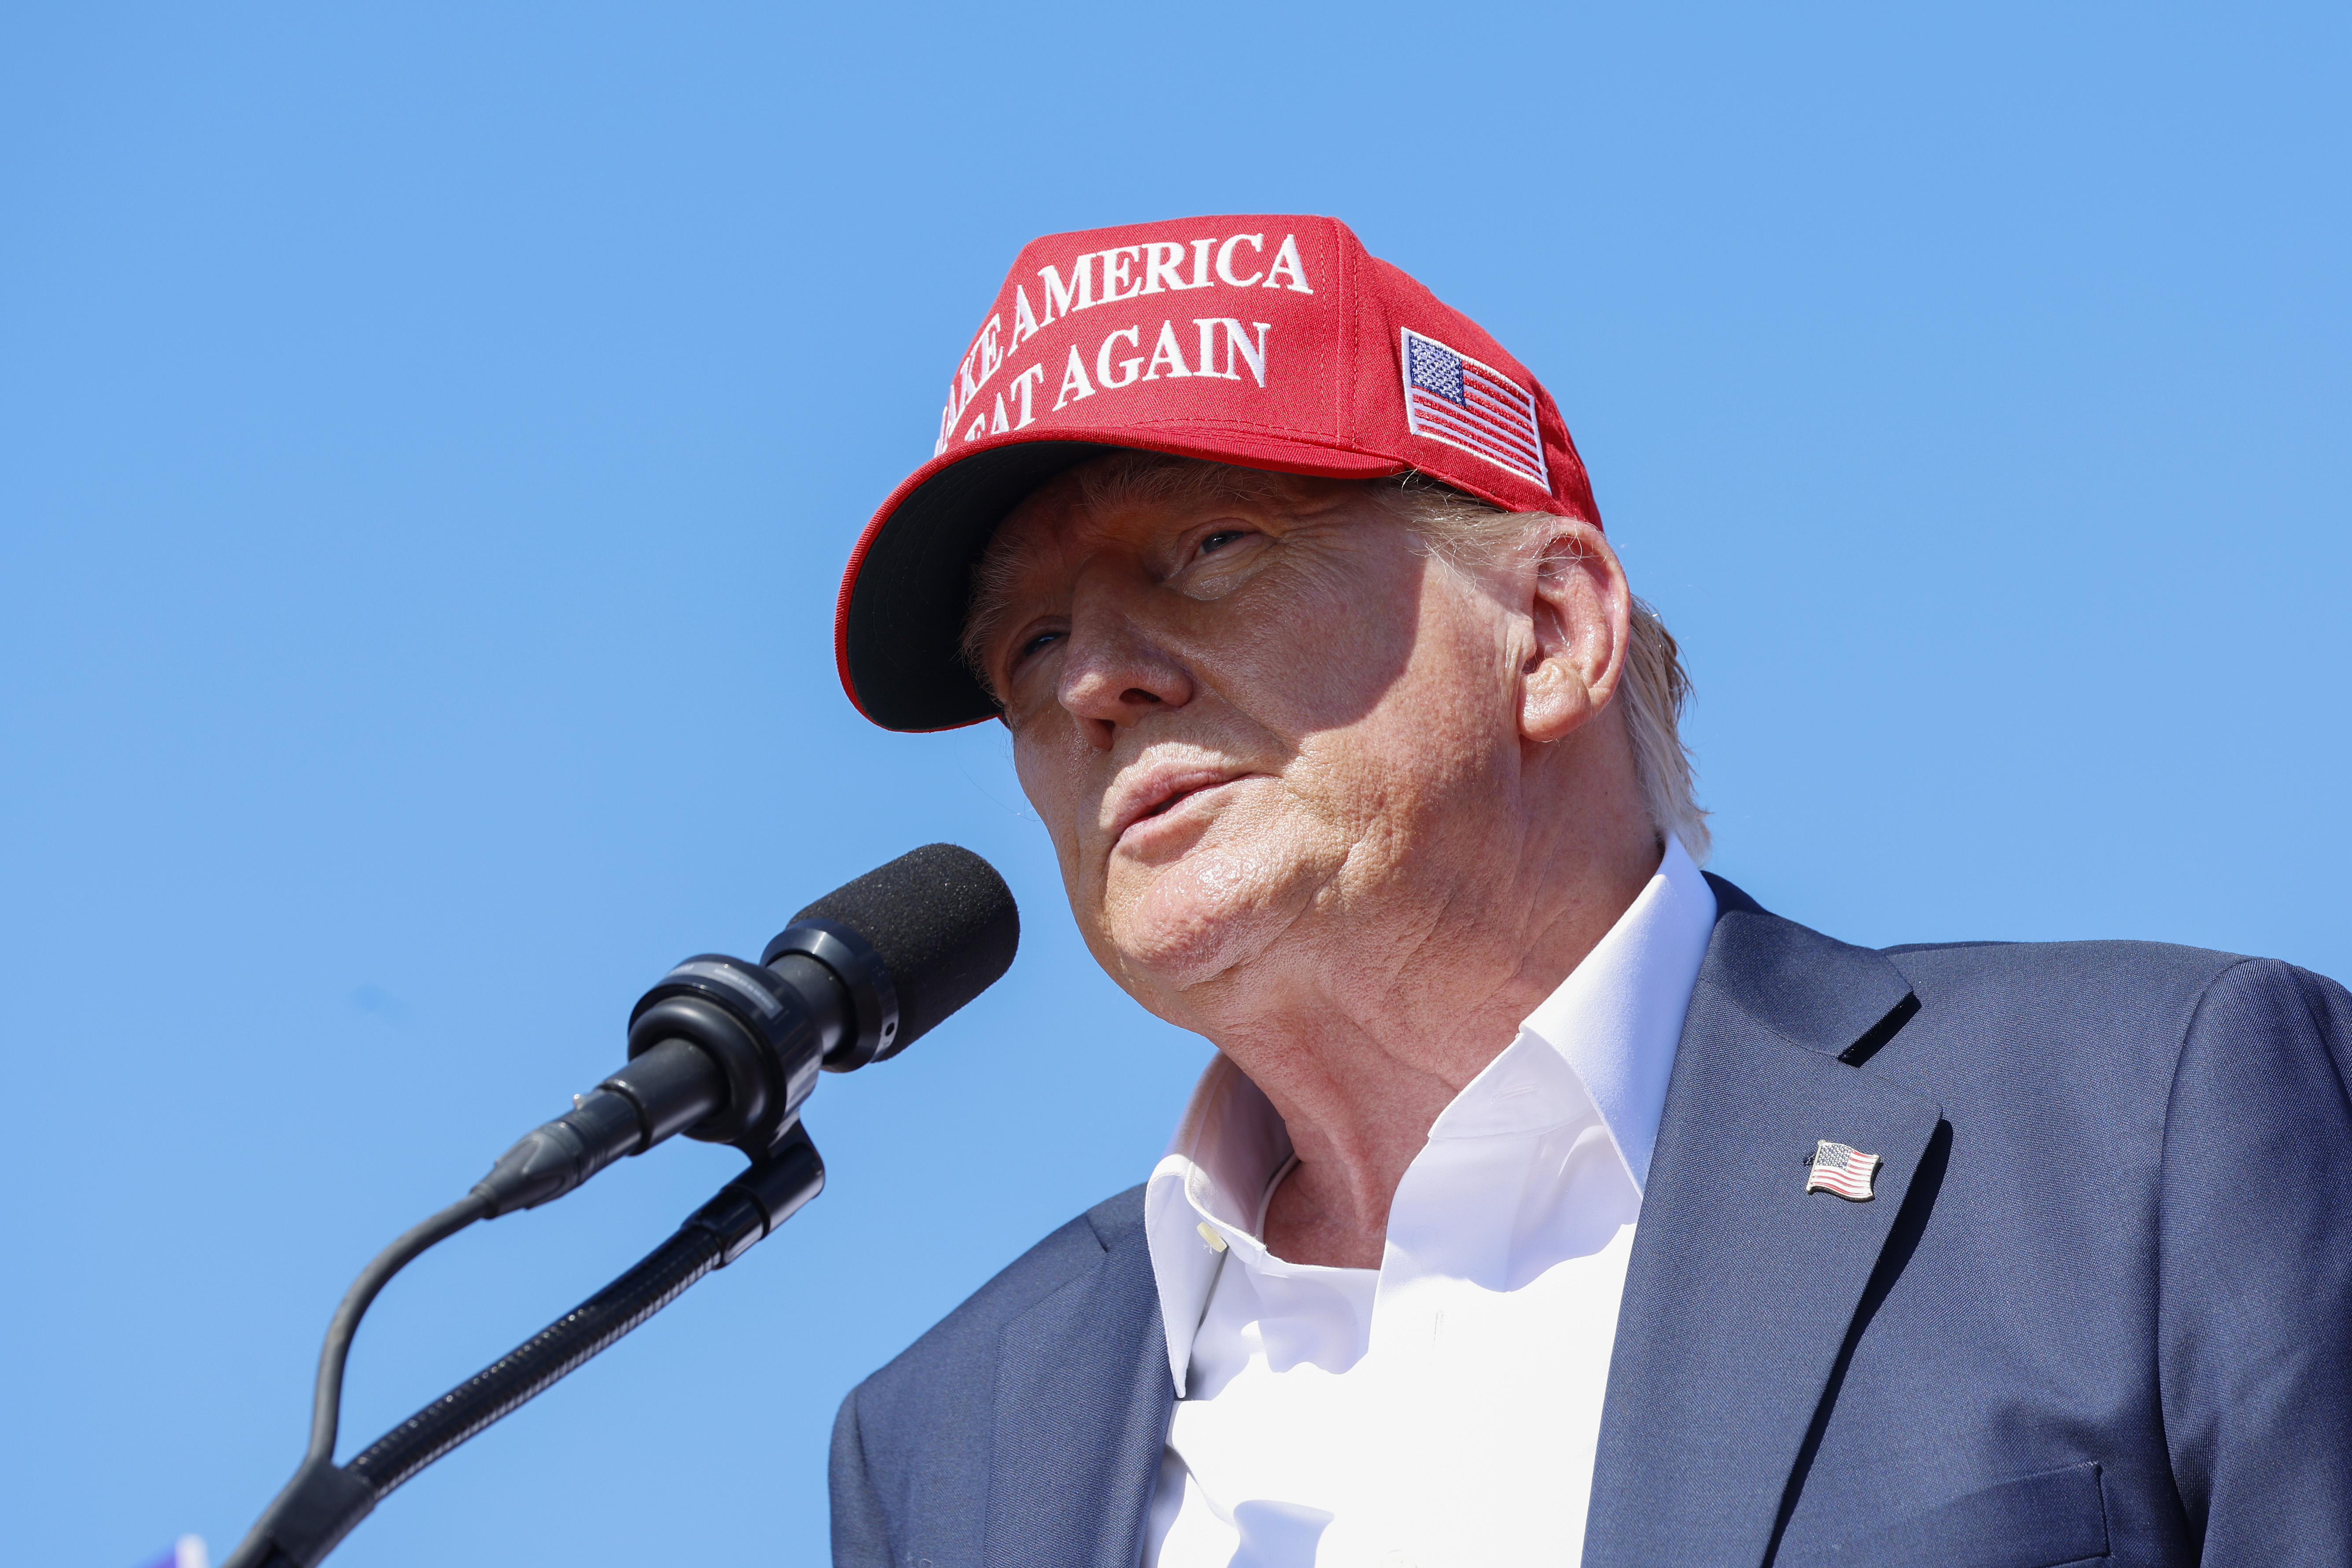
x,y
2100,1309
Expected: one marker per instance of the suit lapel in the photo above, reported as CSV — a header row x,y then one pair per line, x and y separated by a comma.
x,y
1742,1286
1083,1399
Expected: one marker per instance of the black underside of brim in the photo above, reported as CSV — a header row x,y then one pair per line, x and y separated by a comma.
x,y
905,625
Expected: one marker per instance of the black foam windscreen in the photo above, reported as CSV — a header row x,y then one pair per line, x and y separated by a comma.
x,y
944,922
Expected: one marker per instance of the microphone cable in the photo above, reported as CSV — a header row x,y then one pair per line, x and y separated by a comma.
x,y
324,1502
327,1400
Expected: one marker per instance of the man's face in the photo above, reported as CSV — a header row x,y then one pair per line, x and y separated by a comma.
x,y
1258,727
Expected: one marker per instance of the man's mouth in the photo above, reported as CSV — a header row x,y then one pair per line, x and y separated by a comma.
x,y
1160,791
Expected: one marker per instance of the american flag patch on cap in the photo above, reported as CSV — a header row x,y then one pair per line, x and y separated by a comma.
x,y
1452,398
1842,1169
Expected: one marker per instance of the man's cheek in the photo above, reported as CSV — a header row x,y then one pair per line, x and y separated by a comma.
x,y
1042,782
1064,804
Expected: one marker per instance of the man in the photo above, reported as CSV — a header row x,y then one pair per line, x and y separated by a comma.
x,y
1547,1199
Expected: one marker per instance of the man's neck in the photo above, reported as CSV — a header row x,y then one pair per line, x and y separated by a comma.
x,y
1359,1065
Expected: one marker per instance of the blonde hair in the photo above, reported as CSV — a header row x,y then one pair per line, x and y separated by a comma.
x,y
1462,531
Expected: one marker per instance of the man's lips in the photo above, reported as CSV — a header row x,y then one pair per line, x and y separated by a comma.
x,y
1157,791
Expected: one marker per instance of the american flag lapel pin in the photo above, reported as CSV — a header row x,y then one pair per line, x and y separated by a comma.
x,y
1842,1169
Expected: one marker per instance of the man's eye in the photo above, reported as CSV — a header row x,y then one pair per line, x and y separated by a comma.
x,y
1036,645
1220,539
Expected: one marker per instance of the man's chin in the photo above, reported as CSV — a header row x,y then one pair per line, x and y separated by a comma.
x,y
1177,926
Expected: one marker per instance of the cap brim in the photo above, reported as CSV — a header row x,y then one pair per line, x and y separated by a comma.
x,y
898,628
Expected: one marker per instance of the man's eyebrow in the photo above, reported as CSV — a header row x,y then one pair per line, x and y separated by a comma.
x,y
1137,479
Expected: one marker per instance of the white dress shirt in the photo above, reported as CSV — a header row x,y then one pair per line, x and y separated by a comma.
x,y
1440,1410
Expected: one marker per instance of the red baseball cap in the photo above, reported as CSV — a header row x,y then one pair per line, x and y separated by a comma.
x,y
1271,341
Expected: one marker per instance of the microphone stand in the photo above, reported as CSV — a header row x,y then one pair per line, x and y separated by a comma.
x,y
324,1502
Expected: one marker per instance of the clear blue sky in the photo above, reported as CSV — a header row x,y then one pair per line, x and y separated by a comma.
x,y
430,435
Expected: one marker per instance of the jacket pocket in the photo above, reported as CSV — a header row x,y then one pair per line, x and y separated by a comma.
x,y
2034,1521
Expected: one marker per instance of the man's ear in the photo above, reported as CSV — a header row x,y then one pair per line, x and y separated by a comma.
x,y
1580,612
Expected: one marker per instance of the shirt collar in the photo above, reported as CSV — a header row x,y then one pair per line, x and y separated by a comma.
x,y
1618,1017
1614,1022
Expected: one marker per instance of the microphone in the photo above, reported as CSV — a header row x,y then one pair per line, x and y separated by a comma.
x,y
726,1051
720,1049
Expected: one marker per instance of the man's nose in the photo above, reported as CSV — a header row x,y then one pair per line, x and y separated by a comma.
x,y
1117,669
